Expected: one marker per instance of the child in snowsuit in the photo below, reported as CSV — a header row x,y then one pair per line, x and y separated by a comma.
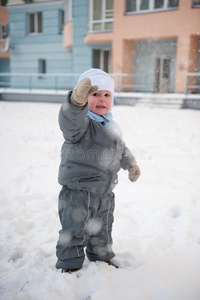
x,y
91,156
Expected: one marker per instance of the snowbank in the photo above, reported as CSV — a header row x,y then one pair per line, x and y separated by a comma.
x,y
157,219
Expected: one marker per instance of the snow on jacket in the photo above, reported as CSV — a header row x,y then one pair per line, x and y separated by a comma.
x,y
92,154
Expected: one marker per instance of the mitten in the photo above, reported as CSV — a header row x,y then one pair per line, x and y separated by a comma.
x,y
79,96
134,172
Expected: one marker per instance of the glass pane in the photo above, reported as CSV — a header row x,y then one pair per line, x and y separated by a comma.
x,y
166,68
96,26
109,4
39,22
109,14
62,17
97,9
31,23
106,61
196,2
3,2
1,31
130,5
108,25
109,9
144,4
159,4
96,59
157,76
172,3
4,31
42,66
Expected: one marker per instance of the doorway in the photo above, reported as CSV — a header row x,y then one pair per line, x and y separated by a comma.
x,y
101,59
162,75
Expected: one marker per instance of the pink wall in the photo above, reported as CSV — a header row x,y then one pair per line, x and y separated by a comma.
x,y
182,23
4,20
68,35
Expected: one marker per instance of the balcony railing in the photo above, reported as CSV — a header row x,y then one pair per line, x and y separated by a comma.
x,y
57,81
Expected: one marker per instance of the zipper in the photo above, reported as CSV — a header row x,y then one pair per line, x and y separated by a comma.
x,y
86,178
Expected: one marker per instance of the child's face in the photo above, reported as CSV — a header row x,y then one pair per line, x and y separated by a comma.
x,y
100,102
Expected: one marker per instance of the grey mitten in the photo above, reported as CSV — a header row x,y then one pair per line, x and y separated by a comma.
x,y
79,96
134,172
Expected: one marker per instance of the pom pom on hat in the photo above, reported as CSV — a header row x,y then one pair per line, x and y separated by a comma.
x,y
101,79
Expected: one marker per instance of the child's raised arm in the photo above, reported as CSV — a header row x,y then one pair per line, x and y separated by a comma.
x,y
81,92
73,119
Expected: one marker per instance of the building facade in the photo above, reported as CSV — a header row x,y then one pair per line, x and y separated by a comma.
x,y
4,39
158,38
156,42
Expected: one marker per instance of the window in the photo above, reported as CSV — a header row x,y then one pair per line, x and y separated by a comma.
x,y
3,31
130,5
144,5
42,67
35,23
150,5
196,3
3,2
101,59
172,3
61,20
159,4
166,68
101,15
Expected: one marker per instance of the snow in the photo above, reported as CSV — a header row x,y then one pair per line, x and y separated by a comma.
x,y
156,231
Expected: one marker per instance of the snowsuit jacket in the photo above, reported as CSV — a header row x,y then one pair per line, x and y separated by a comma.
x,y
91,155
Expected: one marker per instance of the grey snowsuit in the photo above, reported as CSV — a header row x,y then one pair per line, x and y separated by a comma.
x,y
91,156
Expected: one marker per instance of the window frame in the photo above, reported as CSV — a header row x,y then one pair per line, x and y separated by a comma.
x,y
36,23
151,7
103,21
195,5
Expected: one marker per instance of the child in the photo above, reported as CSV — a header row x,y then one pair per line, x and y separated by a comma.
x,y
92,155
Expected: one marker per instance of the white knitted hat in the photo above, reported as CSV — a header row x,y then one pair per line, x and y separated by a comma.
x,y
101,79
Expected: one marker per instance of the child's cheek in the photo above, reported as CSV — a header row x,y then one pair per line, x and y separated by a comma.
x,y
109,105
91,103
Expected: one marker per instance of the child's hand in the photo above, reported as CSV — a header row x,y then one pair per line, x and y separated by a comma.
x,y
134,172
81,92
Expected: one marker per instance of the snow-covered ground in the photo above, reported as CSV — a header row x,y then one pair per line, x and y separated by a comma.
x,y
157,219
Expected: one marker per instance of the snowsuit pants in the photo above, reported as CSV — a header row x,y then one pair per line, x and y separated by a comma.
x,y
86,221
